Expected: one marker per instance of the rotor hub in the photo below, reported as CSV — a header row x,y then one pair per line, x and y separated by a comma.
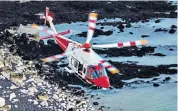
x,y
86,45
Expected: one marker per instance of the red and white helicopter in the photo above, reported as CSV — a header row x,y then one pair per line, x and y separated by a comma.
x,y
82,59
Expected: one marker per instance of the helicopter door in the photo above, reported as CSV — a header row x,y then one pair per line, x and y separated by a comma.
x,y
74,64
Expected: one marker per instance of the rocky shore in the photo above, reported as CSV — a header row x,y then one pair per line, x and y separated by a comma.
x,y
39,86
22,88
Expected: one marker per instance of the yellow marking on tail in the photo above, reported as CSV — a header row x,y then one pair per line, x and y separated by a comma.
x,y
144,42
115,71
93,14
45,60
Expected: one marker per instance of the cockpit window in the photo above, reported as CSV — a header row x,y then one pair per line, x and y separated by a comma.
x,y
94,72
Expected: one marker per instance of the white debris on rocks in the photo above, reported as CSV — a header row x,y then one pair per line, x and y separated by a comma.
x,y
24,77
2,102
12,95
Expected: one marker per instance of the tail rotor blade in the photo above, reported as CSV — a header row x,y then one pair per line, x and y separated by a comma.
x,y
122,44
91,27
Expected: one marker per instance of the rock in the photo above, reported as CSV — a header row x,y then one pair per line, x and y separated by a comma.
x,y
159,54
155,84
55,96
44,103
16,77
172,31
154,79
42,96
167,79
121,26
13,87
157,21
97,32
32,89
143,36
161,29
71,109
128,25
12,95
1,64
5,108
2,102
173,26
131,33
121,30
101,27
95,103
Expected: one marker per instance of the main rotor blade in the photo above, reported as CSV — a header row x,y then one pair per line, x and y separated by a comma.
x,y
91,26
59,56
122,44
52,33
54,58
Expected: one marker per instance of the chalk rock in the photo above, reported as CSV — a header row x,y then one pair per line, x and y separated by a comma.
x,y
5,108
1,64
32,89
12,95
42,96
15,77
2,102
44,103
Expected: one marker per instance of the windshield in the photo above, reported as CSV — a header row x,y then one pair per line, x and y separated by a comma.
x,y
96,71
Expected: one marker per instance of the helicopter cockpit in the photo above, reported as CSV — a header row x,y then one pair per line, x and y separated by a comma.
x,y
94,72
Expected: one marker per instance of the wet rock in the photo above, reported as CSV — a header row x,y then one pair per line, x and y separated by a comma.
x,y
171,49
161,29
167,79
128,25
42,96
131,33
121,30
101,27
155,84
143,36
157,21
159,54
2,102
97,32
172,31
173,26
154,79
121,26
95,103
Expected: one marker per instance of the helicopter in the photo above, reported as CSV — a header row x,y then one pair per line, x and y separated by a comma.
x,y
82,59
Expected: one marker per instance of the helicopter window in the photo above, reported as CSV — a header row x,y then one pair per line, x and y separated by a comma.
x,y
84,70
74,62
95,74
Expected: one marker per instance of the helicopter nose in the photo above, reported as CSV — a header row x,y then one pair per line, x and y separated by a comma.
x,y
102,82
